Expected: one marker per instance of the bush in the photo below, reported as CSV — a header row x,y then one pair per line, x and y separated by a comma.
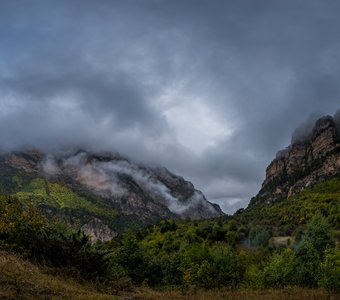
x,y
329,277
139,266
310,251
308,260
220,267
318,233
280,271
258,237
253,277
23,229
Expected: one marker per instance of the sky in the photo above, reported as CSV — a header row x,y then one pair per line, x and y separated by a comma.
x,y
209,89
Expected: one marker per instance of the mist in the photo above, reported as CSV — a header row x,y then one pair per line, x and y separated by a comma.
x,y
104,178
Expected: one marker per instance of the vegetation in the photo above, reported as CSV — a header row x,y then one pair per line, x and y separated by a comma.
x,y
287,215
20,279
228,254
65,199
59,196
25,230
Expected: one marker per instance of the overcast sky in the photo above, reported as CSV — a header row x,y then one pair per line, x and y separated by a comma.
x,y
210,89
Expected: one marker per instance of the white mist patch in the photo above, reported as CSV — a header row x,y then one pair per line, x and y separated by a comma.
x,y
146,180
173,203
88,173
103,178
50,166
198,199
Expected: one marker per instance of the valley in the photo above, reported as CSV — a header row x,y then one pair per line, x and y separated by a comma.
x,y
116,228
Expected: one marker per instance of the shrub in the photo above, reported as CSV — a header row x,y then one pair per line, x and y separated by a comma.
x,y
280,270
258,237
221,267
308,260
329,277
24,229
318,233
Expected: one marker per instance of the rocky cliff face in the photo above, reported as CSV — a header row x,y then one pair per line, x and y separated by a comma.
x,y
103,193
308,160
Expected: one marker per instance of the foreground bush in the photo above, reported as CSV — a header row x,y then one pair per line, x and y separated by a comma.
x,y
329,277
25,230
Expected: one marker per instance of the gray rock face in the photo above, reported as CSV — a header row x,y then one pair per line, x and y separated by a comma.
x,y
304,163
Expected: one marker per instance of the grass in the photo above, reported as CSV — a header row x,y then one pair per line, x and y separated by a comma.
x,y
20,279
283,294
60,196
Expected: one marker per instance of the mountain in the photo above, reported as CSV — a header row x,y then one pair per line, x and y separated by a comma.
x,y
313,157
102,194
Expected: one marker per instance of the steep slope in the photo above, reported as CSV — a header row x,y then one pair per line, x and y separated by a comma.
x,y
101,194
310,159
286,216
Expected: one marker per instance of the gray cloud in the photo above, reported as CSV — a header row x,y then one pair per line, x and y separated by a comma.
x,y
210,89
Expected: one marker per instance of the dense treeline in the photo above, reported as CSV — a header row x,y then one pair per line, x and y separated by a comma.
x,y
206,254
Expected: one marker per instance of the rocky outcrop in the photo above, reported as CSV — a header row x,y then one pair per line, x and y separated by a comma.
x,y
96,230
27,161
305,162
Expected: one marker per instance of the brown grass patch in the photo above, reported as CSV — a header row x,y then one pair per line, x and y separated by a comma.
x,y
20,279
283,294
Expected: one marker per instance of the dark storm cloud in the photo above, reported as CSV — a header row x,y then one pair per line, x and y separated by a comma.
x,y
211,89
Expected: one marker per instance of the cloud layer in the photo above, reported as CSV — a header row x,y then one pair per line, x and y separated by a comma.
x,y
210,89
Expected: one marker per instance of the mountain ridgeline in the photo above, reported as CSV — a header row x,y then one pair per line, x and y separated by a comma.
x,y
311,158
101,194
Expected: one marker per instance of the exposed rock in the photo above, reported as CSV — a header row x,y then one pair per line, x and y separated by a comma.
x,y
276,167
26,161
324,137
303,164
97,230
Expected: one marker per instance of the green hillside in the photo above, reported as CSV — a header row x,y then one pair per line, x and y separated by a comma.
x,y
288,214
63,198
237,252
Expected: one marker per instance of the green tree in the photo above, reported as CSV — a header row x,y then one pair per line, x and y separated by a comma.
x,y
329,277
219,267
318,233
310,251
280,270
258,237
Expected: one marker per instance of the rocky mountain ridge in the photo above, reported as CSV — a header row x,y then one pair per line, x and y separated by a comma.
x,y
311,158
102,194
